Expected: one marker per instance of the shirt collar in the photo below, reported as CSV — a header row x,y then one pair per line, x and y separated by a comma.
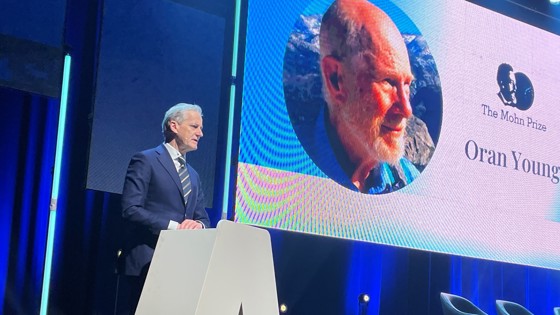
x,y
174,153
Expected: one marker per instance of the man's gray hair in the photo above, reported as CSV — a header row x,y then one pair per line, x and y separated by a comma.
x,y
175,113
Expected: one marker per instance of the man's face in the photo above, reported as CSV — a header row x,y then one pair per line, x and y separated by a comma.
x,y
508,86
188,132
378,105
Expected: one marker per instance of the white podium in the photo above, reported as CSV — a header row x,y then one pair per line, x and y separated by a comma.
x,y
223,271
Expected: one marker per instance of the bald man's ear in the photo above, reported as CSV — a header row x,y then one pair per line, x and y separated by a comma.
x,y
333,74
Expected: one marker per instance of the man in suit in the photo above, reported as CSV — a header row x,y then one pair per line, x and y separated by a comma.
x,y
161,192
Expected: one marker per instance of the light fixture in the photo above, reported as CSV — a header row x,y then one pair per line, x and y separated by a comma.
x,y
363,298
283,308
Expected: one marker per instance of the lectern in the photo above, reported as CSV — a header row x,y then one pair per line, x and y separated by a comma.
x,y
223,271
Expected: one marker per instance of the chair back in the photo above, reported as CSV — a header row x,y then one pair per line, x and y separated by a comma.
x,y
458,305
510,308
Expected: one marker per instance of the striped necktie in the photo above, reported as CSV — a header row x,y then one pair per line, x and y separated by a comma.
x,y
184,177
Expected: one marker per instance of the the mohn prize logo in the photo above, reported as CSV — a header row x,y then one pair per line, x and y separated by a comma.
x,y
516,89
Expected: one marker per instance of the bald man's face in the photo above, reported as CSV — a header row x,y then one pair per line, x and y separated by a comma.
x,y
378,86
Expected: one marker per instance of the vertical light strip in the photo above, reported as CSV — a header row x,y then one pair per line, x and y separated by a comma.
x,y
225,200
55,185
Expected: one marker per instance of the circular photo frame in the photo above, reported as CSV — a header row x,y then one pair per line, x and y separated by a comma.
x,y
351,67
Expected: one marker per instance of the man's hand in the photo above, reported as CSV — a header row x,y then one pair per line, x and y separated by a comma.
x,y
189,225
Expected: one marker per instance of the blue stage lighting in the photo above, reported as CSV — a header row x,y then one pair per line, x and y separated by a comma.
x,y
555,2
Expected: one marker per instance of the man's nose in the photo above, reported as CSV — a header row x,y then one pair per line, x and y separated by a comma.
x,y
402,100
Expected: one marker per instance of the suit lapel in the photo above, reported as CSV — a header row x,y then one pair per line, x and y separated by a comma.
x,y
165,159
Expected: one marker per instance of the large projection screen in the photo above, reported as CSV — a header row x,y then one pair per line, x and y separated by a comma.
x,y
483,138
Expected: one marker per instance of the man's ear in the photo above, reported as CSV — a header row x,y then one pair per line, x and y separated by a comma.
x,y
333,77
173,126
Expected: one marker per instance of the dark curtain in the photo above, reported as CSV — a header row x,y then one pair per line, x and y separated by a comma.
x,y
87,225
318,275
28,139
86,238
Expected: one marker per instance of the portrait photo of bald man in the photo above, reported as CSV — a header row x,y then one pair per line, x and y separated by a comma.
x,y
366,105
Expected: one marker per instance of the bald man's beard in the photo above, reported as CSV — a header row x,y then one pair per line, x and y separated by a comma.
x,y
383,148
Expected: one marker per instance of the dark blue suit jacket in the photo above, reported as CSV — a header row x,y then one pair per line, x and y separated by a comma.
x,y
152,196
